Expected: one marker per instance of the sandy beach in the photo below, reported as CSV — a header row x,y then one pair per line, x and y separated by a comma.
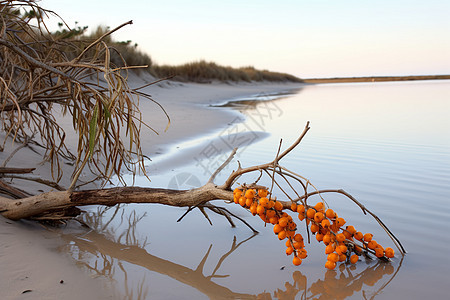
x,y
31,265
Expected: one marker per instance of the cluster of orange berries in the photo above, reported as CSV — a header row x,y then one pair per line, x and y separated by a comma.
x,y
270,211
324,223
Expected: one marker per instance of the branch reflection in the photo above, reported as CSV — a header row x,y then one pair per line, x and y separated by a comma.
x,y
115,258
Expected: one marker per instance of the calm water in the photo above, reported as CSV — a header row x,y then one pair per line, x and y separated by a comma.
x,y
387,144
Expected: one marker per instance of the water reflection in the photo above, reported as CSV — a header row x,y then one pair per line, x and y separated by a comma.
x,y
105,251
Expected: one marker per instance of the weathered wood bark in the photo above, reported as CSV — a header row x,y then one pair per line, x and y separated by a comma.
x,y
45,202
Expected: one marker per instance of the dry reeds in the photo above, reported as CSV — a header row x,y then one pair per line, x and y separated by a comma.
x,y
40,72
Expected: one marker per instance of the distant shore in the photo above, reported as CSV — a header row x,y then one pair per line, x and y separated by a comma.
x,y
375,79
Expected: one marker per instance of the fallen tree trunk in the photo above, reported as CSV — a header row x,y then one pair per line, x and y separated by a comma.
x,y
51,201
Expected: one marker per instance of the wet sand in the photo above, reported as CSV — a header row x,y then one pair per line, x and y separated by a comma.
x,y
31,263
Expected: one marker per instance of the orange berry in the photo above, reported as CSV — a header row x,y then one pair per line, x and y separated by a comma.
x,y
301,216
372,244
318,217
368,237
236,199
290,233
273,220
319,206
298,245
294,206
351,229
347,234
262,193
330,265
270,204
319,237
298,237
236,191
250,193
277,228
288,243
333,257
340,237
342,257
253,208
330,213
325,223
358,235
389,252
296,261
341,249
314,228
260,210
242,201
310,213
289,250
354,258
248,202
270,213
278,206
282,235
263,201
283,221
327,238
379,252
300,208
340,222
302,253
329,249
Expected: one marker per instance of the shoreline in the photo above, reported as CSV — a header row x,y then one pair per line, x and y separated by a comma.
x,y
374,79
27,249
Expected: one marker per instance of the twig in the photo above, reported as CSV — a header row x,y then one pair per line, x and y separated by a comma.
x,y
223,165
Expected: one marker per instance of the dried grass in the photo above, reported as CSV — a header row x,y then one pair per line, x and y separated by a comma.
x,y
39,72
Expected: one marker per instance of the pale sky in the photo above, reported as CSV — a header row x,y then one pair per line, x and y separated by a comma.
x,y
313,38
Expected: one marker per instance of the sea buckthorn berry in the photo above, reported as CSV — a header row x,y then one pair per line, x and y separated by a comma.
x,y
242,201
260,210
358,235
319,206
270,204
263,201
368,237
329,249
236,200
298,237
278,206
347,234
342,257
271,213
327,238
310,213
248,202
314,228
379,252
300,208
330,265
237,190
294,206
318,217
301,216
354,258
389,252
351,229
290,233
277,228
330,213
296,261
282,235
372,244
341,249
262,193
283,221
302,253
325,223
289,250
253,208
340,222
319,237
333,257
340,237
298,245
250,193
273,220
